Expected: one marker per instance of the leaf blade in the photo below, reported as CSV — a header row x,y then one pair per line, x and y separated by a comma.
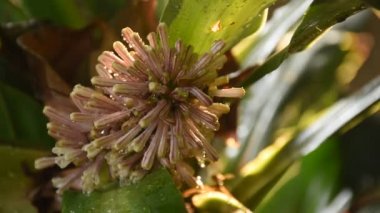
x,y
14,182
316,22
281,157
22,121
154,193
200,23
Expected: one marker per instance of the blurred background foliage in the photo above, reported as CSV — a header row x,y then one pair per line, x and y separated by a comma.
x,y
304,139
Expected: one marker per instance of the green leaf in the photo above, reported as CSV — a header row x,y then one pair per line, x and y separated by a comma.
x,y
264,170
215,201
321,15
269,66
275,159
104,9
10,11
282,21
364,102
304,75
313,186
292,101
201,22
62,12
15,185
154,193
313,25
22,122
160,8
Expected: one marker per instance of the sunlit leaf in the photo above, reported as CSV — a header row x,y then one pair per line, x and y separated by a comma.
x,y
339,116
293,99
217,202
269,66
312,187
304,75
293,102
269,165
200,23
321,15
282,21
261,171
154,193
15,185
313,25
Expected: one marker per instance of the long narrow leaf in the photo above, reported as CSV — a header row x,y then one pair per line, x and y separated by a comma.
x,y
338,116
275,162
283,20
320,17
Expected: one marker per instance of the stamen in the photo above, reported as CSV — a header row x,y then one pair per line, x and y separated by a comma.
x,y
45,162
107,58
186,173
63,182
219,109
163,142
149,155
201,64
82,117
57,116
69,143
82,92
62,131
130,123
174,154
153,114
204,117
102,72
222,80
123,52
210,151
110,119
106,102
131,88
139,142
62,162
229,93
92,150
130,71
153,42
217,47
108,140
90,177
125,139
163,34
201,96
104,82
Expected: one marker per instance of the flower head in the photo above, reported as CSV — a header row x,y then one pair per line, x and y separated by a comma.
x,y
152,105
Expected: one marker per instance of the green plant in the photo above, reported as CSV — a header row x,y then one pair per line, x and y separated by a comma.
x,y
283,138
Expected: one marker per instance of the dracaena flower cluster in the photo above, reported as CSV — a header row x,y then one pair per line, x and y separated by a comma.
x,y
151,105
